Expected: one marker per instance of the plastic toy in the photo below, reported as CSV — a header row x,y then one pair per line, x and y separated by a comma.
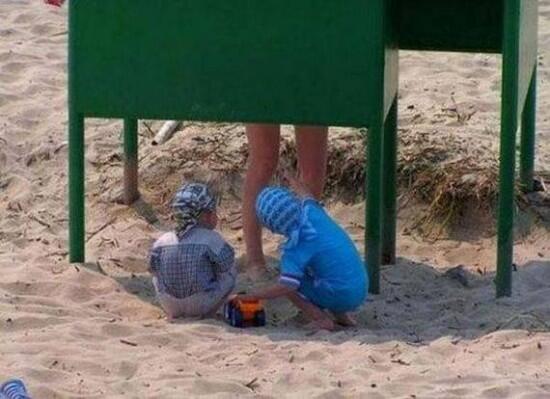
x,y
244,313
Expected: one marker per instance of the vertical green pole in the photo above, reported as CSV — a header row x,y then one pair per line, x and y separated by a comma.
x,y
374,204
389,186
528,129
131,192
382,87
76,161
76,187
509,126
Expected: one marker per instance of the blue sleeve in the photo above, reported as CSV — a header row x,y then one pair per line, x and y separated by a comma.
x,y
293,266
311,201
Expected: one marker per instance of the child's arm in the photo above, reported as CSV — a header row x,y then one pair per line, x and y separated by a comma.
x,y
272,292
320,319
223,262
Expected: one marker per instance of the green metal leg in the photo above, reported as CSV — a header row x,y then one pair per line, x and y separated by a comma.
x,y
76,188
509,126
528,127
374,205
506,212
131,192
389,186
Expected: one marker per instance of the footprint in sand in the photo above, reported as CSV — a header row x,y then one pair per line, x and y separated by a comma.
x,y
14,68
54,56
43,29
44,375
32,289
7,78
25,18
6,55
496,393
71,365
117,330
29,323
204,386
8,32
78,294
314,356
125,369
8,99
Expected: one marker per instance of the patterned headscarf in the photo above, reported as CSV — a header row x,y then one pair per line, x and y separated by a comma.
x,y
282,212
189,203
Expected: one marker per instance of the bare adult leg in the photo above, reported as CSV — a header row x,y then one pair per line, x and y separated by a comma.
x,y
312,312
311,144
263,144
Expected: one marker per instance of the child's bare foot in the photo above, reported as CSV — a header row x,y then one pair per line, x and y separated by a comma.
x,y
321,324
345,320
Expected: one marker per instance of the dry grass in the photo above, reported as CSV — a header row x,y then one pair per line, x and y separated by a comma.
x,y
445,172
448,173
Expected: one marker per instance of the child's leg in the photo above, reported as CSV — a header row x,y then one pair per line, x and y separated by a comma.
x,y
212,313
263,145
170,306
226,283
320,318
164,301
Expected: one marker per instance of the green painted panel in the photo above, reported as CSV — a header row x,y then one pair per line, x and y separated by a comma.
x,y
528,43
450,25
391,57
272,60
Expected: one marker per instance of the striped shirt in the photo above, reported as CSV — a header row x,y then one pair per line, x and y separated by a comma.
x,y
194,264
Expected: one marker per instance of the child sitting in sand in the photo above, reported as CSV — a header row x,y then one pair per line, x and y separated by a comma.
x,y
320,267
193,267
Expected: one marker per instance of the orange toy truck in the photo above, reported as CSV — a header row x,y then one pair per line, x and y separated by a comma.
x,y
244,313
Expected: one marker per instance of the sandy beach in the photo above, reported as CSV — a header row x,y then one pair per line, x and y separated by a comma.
x,y
95,330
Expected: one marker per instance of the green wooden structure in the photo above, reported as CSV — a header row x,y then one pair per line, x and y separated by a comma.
x,y
330,62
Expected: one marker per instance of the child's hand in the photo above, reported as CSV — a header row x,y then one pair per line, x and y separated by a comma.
x,y
231,297
243,297
57,3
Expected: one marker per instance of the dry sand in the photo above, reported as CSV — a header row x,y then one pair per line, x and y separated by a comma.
x,y
95,331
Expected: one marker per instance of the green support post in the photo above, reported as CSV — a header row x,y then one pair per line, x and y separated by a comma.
x,y
373,239
76,187
131,192
528,128
383,68
509,126
77,214
389,187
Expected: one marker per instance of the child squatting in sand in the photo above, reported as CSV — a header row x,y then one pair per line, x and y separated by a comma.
x,y
321,269
193,267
